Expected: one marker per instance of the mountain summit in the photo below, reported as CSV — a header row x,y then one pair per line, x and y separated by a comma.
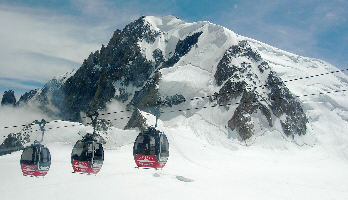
x,y
168,63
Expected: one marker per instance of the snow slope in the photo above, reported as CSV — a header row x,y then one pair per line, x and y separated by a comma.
x,y
196,169
193,76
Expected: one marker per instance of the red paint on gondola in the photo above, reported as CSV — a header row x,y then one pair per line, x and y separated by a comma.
x,y
30,170
148,161
84,167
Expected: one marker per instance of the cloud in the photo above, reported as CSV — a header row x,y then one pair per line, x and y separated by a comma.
x,y
38,40
8,83
41,42
10,116
37,45
306,28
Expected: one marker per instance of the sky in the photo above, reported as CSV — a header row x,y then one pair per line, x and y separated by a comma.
x,y
40,39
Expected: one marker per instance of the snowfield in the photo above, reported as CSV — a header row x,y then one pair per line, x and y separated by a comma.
x,y
200,166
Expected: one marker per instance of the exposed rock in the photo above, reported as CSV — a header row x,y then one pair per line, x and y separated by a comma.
x,y
182,48
8,98
26,97
283,103
120,61
14,142
148,98
157,54
242,118
243,49
238,78
173,100
137,120
263,66
230,90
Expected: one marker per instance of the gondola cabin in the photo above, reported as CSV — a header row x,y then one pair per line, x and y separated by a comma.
x,y
151,149
35,160
87,156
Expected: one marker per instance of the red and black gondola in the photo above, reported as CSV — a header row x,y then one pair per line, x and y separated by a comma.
x,y
151,149
35,160
87,156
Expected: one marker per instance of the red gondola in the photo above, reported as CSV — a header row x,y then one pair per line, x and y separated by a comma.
x,y
35,160
87,156
151,149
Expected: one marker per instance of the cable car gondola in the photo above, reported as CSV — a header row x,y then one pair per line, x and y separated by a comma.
x,y
87,155
35,160
151,149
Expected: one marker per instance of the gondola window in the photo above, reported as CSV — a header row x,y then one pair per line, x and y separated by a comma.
x,y
27,154
44,156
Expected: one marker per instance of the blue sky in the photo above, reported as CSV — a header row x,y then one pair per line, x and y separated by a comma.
x,y
43,38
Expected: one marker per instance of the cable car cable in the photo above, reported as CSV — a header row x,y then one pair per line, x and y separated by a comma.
x,y
217,94
196,108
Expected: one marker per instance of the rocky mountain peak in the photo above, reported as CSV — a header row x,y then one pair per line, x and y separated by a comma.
x,y
8,98
160,63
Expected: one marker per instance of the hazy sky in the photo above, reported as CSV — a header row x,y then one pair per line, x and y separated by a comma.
x,y
43,38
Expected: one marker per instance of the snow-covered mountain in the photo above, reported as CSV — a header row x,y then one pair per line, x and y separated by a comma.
x,y
168,62
243,124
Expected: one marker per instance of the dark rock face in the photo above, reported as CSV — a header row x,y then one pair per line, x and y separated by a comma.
x,y
242,80
8,98
136,121
158,56
121,61
242,118
173,100
26,97
182,48
243,49
230,90
51,94
93,84
224,68
13,142
148,97
284,103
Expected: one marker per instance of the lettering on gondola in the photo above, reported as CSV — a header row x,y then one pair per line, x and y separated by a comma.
x,y
145,160
84,167
80,166
30,170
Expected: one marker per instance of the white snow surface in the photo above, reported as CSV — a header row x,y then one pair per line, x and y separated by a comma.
x,y
199,167
206,160
193,76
